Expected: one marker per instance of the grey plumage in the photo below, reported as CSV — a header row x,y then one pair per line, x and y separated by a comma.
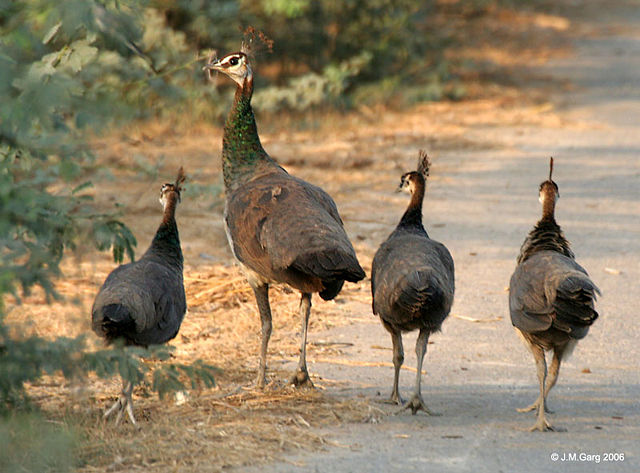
x,y
550,290
412,282
143,302
551,298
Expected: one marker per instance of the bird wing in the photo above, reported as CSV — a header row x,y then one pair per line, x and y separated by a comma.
x,y
278,222
416,290
530,311
574,304
123,287
153,293
550,289
412,275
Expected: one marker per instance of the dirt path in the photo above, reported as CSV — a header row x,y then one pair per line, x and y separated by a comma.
x,y
481,203
489,153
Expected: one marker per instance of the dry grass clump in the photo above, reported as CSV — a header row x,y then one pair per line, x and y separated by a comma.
x,y
223,324
212,432
207,430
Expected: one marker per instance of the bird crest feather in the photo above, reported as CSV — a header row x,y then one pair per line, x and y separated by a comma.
x,y
424,163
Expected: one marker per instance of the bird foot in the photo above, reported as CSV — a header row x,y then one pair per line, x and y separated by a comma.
x,y
528,408
544,426
394,399
535,406
417,404
301,379
124,403
260,382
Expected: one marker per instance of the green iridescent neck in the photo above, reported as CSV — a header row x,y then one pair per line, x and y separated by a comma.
x,y
241,147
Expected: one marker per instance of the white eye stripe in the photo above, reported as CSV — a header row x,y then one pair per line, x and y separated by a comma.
x,y
233,60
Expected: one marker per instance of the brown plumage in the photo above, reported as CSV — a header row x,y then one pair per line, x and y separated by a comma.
x,y
551,298
289,231
280,228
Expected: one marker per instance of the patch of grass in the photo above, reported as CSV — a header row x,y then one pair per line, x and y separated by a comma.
x,y
32,444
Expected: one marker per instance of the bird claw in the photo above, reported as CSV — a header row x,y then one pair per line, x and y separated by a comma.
x,y
535,406
417,404
260,382
393,399
124,403
544,426
301,379
528,408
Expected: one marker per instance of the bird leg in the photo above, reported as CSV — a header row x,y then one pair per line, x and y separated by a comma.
x,y
541,366
398,359
124,403
534,406
301,378
554,369
262,299
416,403
552,377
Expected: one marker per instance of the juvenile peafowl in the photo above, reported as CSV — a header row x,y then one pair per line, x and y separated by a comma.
x,y
412,282
281,229
551,298
143,302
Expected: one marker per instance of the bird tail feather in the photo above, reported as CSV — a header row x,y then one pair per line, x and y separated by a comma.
x,y
117,321
574,304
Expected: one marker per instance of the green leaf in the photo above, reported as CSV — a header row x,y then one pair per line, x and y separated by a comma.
x,y
82,53
51,33
81,187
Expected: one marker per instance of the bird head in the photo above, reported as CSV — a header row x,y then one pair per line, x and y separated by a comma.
x,y
549,189
409,182
234,65
238,65
172,188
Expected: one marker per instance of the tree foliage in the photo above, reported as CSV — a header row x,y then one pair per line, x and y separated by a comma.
x,y
67,69
312,34
323,50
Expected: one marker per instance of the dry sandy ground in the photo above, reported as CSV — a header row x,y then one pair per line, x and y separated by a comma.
x,y
481,203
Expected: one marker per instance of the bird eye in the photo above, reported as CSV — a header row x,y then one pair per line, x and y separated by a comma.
x,y
233,61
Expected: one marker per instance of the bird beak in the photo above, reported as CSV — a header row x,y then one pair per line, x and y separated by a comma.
x,y
212,65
